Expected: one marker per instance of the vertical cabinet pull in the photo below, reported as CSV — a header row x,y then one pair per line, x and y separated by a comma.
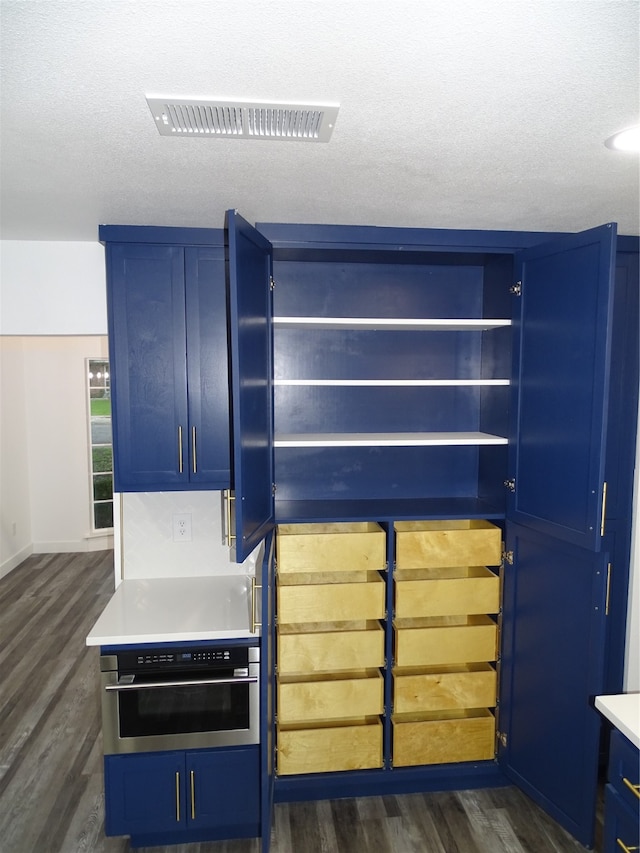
x,y
193,795
254,624
193,449
228,518
177,796
180,450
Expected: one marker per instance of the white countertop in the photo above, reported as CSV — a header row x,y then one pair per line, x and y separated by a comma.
x,y
623,710
162,610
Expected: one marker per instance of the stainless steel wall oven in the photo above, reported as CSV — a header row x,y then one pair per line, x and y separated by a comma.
x,y
181,697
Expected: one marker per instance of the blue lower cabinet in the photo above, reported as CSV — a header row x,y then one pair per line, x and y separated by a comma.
x,y
621,827
180,797
621,797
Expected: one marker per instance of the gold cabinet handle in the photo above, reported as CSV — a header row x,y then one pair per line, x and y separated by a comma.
x,y
193,447
229,535
178,796
624,847
254,587
634,788
193,796
180,450
604,508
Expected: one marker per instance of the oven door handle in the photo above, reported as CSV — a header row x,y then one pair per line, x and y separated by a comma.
x,y
197,682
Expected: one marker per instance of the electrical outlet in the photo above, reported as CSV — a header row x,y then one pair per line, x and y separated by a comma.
x,y
182,527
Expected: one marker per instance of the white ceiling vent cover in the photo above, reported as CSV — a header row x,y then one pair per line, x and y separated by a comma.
x,y
243,119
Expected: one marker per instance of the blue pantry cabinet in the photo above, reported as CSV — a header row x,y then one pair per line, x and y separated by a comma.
x,y
390,375
168,354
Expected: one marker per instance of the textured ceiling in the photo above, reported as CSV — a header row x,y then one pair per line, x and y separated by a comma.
x,y
452,114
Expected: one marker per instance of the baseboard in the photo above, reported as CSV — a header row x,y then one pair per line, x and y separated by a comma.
x,y
12,563
91,543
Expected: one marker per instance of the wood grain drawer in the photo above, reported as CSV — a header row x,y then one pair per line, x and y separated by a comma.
x,y
319,597
445,640
330,547
330,646
330,697
446,591
461,542
442,739
356,745
468,686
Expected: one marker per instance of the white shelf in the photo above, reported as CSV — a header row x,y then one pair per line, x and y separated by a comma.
x,y
388,439
409,383
383,323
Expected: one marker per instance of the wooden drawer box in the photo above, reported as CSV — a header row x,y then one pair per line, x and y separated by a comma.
x,y
445,640
463,542
330,646
330,697
442,739
468,686
446,591
353,746
331,547
330,597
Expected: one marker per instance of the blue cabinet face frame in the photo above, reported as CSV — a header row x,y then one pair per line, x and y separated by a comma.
x,y
168,347
555,414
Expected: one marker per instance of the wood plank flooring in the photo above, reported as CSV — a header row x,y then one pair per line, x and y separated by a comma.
x,y
51,792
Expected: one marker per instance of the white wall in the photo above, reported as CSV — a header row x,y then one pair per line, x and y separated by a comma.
x,y
45,485
52,288
15,511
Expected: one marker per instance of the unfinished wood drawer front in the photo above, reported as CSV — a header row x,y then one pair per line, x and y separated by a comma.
x,y
332,601
338,547
471,686
350,646
328,749
458,639
330,698
426,544
469,736
447,591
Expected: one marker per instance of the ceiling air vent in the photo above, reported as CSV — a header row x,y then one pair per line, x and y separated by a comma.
x,y
243,119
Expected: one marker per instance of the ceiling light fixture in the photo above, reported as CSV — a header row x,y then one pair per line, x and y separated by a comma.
x,y
243,119
625,140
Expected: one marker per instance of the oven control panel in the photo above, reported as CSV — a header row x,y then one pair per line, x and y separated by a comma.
x,y
214,657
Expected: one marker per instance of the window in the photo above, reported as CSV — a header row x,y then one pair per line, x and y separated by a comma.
x,y
101,461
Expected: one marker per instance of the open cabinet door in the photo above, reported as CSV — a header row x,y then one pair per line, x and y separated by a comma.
x,y
267,694
555,578
251,383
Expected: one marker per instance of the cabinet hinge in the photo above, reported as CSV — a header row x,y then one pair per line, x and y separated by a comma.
x,y
273,488
510,484
507,557
272,283
502,738
516,289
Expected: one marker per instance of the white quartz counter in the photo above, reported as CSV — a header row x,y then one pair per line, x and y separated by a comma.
x,y
164,610
623,710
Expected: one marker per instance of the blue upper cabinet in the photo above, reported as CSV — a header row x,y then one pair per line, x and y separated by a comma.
x,y
562,342
169,360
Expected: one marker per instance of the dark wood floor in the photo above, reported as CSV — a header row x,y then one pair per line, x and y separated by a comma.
x,y
51,794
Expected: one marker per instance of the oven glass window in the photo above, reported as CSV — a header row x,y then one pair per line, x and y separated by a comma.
x,y
179,710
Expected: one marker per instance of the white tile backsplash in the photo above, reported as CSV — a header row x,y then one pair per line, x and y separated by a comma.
x,y
148,547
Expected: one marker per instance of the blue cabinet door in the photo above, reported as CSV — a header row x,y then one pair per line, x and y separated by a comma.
x,y
251,382
207,367
144,793
551,666
224,791
562,340
148,366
